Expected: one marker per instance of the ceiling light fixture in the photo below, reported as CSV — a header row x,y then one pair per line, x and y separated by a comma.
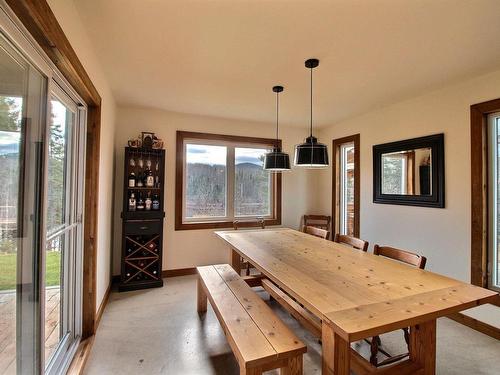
x,y
311,153
276,160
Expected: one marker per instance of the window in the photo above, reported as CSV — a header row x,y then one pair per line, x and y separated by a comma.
x,y
220,179
345,210
493,268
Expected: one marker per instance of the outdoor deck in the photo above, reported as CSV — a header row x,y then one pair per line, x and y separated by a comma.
x,y
8,328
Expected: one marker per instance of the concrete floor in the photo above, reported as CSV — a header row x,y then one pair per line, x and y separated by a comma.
x,y
158,331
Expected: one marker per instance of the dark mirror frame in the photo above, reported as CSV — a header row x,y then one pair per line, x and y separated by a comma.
x,y
436,143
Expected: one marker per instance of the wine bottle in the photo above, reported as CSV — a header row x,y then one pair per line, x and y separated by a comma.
x,y
140,203
131,179
148,202
150,181
156,202
131,202
140,180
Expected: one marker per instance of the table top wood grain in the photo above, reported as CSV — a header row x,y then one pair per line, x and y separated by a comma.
x,y
358,293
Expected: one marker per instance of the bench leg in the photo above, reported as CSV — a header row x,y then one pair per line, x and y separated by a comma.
x,y
294,366
250,371
202,298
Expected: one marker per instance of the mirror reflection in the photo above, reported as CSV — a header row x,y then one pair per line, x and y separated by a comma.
x,y
407,172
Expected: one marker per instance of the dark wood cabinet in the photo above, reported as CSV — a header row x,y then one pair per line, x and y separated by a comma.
x,y
142,222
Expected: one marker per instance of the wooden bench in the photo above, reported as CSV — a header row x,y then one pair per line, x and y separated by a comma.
x,y
258,338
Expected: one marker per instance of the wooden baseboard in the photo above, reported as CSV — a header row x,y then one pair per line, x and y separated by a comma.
x,y
83,351
179,272
103,305
477,325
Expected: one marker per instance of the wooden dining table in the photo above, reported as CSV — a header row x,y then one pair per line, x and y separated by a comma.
x,y
356,295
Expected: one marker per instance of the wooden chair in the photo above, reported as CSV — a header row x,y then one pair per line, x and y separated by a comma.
x,y
406,257
317,221
317,232
351,241
238,224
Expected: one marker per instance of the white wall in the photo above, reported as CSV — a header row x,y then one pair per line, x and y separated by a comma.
x,y
442,235
72,26
189,248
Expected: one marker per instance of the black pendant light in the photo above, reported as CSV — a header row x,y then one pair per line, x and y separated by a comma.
x,y
276,160
311,153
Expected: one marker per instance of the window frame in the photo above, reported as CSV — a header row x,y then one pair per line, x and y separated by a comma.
x,y
233,142
480,221
493,121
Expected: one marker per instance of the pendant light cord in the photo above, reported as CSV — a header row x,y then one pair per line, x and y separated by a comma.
x,y
311,101
277,116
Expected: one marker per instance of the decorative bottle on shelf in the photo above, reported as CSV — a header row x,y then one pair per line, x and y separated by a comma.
x,y
150,180
148,202
131,179
131,202
140,203
140,179
156,202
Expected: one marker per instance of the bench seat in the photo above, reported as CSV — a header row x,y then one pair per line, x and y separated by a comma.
x,y
258,338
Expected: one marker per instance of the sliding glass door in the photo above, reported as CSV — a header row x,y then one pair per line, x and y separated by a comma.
x,y
22,99
42,152
62,270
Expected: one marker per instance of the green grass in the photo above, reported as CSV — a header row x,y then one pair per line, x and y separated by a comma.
x,y
8,270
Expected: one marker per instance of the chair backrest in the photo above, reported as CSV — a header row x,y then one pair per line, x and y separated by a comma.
x,y
401,255
258,223
351,241
318,232
318,221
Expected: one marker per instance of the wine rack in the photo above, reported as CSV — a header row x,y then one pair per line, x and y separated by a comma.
x,y
142,230
141,260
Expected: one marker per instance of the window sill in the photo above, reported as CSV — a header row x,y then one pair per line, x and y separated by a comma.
x,y
217,224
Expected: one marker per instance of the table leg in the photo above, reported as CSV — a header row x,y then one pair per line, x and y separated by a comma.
x,y
336,352
423,346
236,261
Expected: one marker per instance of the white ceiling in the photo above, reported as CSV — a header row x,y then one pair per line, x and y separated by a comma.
x,y
221,57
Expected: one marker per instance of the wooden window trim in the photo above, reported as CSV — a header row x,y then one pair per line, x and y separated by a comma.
x,y
179,178
479,189
41,23
355,139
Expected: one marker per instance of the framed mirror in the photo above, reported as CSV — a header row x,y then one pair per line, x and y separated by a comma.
x,y
410,172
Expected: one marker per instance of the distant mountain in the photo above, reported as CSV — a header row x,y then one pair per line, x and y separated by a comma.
x,y
9,148
249,166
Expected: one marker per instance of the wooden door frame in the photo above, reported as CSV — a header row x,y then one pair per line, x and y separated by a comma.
x,y
479,189
335,183
41,23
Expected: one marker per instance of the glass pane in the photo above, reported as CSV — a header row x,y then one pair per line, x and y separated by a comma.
x,y
252,184
347,190
53,294
205,194
394,173
61,120
21,99
58,216
10,139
